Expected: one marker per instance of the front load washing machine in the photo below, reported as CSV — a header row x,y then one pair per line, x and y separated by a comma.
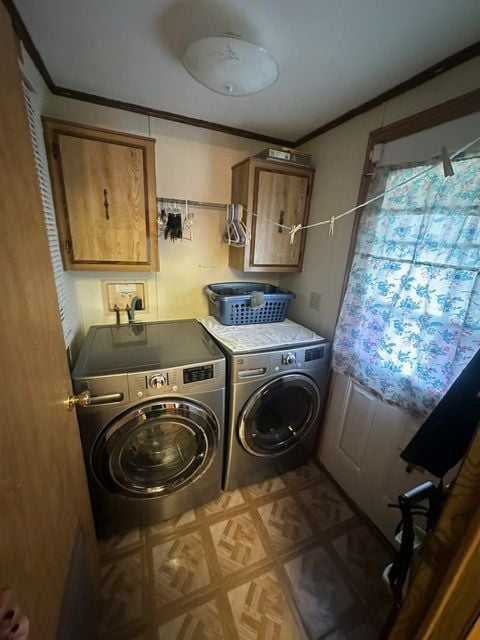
x,y
152,433
276,388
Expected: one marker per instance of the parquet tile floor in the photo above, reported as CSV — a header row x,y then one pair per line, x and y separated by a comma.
x,y
287,559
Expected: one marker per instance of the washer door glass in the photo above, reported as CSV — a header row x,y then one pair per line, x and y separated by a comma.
x,y
279,414
157,448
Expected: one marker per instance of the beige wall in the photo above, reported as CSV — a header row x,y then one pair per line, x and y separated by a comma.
x,y
190,163
338,156
195,163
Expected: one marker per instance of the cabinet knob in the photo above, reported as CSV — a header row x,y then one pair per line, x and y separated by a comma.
x,y
281,221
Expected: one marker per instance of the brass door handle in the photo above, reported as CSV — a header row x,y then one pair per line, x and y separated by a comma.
x,y
82,400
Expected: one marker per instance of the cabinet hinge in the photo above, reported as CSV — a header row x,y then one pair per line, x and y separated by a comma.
x,y
55,151
67,246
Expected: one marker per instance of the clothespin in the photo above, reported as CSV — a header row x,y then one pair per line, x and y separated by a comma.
x,y
293,230
331,226
447,163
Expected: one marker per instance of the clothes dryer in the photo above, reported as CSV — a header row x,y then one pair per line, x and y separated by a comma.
x,y
277,382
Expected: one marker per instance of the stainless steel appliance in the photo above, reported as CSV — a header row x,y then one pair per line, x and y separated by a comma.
x,y
275,400
153,431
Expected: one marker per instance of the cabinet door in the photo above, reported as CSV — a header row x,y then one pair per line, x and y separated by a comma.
x,y
282,198
104,193
103,185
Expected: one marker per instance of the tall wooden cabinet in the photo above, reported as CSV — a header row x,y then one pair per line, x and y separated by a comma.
x,y
274,191
104,191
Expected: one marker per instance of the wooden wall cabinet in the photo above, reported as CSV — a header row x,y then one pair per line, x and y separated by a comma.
x,y
274,191
103,186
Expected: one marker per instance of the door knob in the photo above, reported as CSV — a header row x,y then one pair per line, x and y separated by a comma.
x,y
82,399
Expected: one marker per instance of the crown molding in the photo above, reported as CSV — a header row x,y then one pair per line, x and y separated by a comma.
x,y
427,74
435,70
168,115
23,35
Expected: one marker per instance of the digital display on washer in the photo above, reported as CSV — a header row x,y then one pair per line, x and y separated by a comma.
x,y
314,354
197,374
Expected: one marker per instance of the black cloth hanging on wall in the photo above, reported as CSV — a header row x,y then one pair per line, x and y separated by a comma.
x,y
443,438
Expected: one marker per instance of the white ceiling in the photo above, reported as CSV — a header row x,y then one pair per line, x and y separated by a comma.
x,y
333,55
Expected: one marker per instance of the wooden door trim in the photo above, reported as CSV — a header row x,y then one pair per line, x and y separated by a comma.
x,y
449,560
453,109
432,117
84,130
457,592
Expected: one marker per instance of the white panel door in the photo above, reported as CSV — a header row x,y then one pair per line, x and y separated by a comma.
x,y
361,444
362,436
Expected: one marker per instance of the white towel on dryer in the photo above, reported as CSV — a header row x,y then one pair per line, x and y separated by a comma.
x,y
243,338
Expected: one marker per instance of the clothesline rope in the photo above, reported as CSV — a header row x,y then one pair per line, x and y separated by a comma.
x,y
293,229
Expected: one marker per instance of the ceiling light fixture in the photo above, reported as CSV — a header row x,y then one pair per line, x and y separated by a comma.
x,y
230,66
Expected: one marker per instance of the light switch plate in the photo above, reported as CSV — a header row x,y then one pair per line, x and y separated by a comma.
x,y
121,293
314,302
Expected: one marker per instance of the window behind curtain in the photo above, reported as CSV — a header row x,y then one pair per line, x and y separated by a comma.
x,y
410,320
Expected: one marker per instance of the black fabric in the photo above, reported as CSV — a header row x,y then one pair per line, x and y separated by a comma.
x,y
443,438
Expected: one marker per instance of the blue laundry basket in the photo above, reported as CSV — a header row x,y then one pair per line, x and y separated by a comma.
x,y
247,302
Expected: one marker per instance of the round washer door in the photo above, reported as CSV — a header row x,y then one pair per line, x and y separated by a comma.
x,y
278,415
156,449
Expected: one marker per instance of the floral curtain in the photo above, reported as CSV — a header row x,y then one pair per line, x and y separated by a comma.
x,y
410,320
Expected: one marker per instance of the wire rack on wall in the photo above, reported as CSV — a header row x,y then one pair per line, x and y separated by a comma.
x,y
198,204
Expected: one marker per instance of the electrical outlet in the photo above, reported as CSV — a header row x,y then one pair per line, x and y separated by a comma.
x,y
121,293
314,300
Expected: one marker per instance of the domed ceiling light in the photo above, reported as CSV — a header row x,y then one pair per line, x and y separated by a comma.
x,y
230,66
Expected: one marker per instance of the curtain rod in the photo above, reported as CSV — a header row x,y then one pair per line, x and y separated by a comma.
x,y
193,203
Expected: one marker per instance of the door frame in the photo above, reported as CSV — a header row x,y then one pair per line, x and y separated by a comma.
x,y
443,600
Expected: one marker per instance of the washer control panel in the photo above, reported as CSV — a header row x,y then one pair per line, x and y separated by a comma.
x,y
181,380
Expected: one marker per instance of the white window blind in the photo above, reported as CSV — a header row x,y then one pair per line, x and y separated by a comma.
x,y
41,164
